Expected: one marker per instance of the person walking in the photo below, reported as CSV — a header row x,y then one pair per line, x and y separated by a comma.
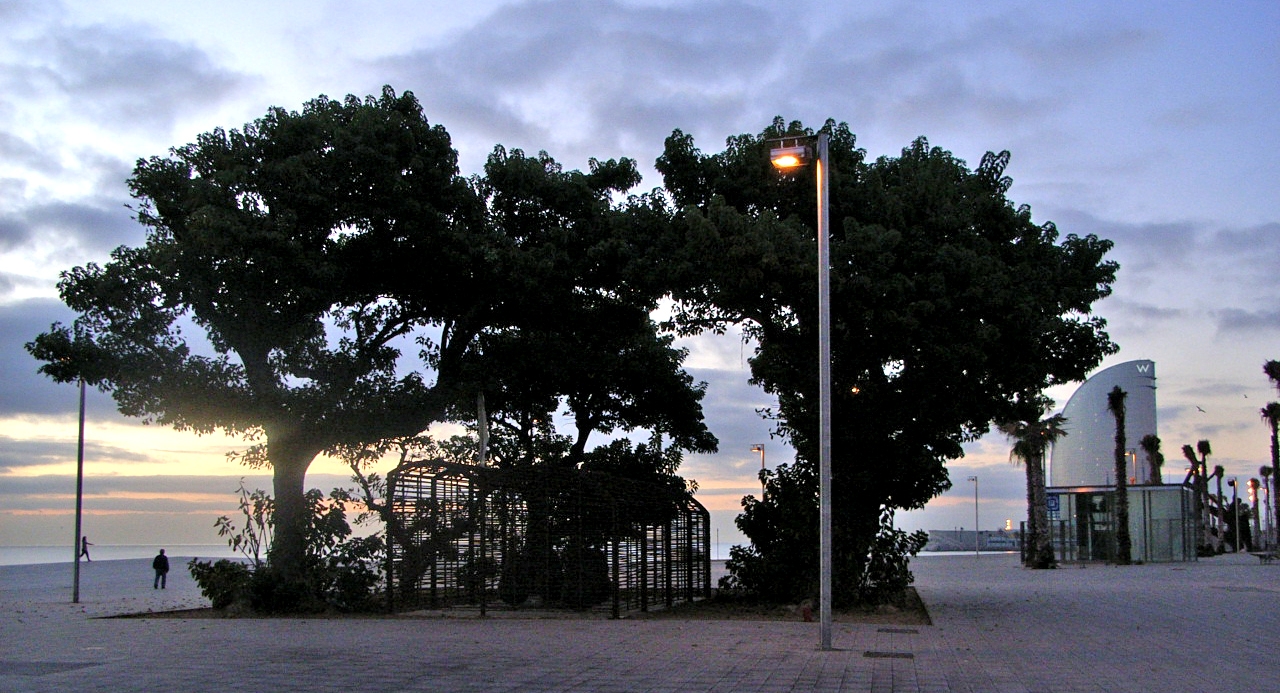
x,y
84,548
161,565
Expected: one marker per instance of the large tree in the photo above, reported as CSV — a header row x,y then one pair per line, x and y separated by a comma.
x,y
289,264
1124,547
950,308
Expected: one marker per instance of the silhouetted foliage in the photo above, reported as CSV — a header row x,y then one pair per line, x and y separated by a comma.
x,y
950,308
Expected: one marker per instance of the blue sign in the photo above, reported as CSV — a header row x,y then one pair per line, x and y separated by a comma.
x,y
1051,502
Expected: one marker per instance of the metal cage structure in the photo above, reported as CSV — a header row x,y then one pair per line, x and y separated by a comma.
x,y
464,535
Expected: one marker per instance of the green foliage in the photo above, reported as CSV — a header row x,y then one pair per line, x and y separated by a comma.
x,y
781,564
515,584
586,576
339,572
252,538
887,561
222,583
950,308
1031,440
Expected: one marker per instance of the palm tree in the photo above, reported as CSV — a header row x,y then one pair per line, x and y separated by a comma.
x,y
1272,369
1124,549
1200,487
1271,416
1219,471
1265,472
1150,444
1031,439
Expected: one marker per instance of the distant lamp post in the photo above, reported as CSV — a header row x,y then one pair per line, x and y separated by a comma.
x,y
1235,506
976,539
792,153
75,543
759,447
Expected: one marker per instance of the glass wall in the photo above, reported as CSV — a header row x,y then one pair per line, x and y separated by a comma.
x,y
1161,524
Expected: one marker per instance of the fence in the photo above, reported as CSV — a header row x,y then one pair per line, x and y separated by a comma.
x,y
539,536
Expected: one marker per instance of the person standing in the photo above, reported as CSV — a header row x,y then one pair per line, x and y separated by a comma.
x,y
161,565
84,548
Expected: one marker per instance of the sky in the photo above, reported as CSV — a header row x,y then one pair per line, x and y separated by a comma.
x,y
1152,124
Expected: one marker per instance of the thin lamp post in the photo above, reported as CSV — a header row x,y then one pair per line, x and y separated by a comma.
x,y
784,158
75,544
976,540
1235,507
759,447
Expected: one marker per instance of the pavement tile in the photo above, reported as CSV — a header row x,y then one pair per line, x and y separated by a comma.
x,y
997,628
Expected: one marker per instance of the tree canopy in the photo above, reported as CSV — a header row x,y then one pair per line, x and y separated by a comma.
x,y
951,308
290,265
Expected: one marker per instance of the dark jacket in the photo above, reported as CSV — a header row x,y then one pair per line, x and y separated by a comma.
x,y
161,564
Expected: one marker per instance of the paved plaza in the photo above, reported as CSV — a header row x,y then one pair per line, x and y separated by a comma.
x,y
996,627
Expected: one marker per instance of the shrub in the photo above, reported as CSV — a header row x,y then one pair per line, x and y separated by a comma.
x,y
223,583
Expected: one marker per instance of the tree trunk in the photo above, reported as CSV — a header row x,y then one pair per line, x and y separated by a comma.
x,y
1275,471
1033,526
1042,541
1124,547
289,461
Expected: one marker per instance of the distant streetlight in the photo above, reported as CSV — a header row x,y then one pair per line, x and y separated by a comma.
x,y
976,540
1235,505
75,543
792,153
759,447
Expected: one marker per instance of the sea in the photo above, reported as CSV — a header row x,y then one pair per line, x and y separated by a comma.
x,y
29,555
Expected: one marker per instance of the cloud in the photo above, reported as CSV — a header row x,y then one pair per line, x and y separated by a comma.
x,y
541,74
126,74
1233,320
26,392
91,226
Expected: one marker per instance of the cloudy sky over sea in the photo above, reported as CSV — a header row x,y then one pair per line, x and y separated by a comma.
x,y
1153,124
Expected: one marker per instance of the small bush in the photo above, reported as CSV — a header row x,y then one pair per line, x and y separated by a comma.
x,y
223,583
272,592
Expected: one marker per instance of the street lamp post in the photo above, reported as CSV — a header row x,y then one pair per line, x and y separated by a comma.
x,y
759,447
75,544
1235,506
976,538
786,157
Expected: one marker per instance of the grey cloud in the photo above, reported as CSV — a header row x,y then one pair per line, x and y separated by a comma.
x,y
125,75
14,149
97,225
625,72
25,391
1233,320
110,492
17,454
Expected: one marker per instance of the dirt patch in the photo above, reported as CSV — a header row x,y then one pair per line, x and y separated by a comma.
x,y
907,610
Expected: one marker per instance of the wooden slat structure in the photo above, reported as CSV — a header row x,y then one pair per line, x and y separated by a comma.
x,y
540,536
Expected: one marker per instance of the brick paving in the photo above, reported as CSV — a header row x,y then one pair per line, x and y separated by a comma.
x,y
996,628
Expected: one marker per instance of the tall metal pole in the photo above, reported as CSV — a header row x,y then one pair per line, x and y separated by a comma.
x,y
976,539
824,392
759,447
75,544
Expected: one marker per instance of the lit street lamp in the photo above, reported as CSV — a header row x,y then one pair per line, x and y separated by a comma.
x,y
793,153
